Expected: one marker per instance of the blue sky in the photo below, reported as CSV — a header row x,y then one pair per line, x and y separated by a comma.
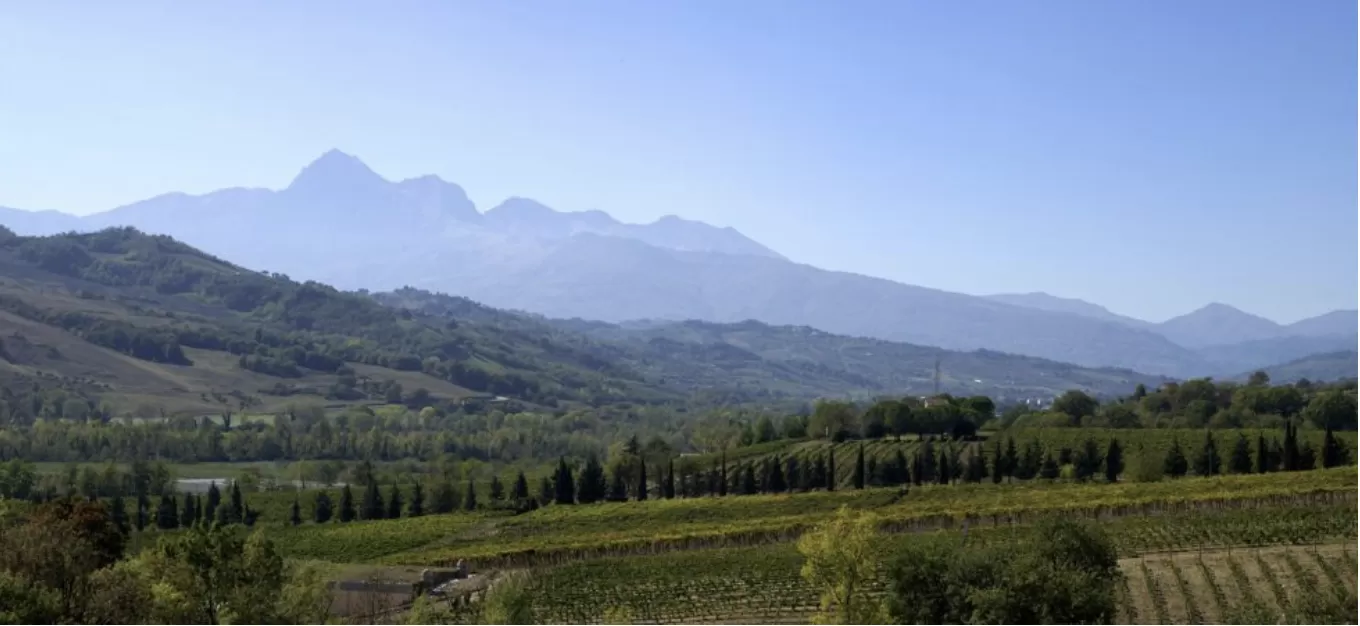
x,y
1150,156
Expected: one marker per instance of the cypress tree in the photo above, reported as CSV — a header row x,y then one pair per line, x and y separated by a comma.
x,y
143,504
791,473
520,490
748,480
1175,464
346,504
470,499
445,497
214,499
857,477
722,476
238,504
198,509
668,486
927,463
417,506
775,483
564,486
187,515
1291,446
818,474
1240,461
998,463
1208,462
803,481
711,482
1114,461
1262,455
1334,453
118,513
945,471
167,513
1087,461
394,503
321,508
618,492
373,502
497,489
831,469
642,480
1307,458
1012,458
976,469
1048,468
295,516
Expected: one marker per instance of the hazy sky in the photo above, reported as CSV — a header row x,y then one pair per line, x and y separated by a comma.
x,y
1149,155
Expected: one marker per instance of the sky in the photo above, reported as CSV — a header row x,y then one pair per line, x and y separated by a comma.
x,y
1150,156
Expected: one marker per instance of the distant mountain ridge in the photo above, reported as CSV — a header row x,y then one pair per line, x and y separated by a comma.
x,y
340,223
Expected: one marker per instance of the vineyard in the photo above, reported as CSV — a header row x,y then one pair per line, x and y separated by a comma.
x,y
557,534
762,584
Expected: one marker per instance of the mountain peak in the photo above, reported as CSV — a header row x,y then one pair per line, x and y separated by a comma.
x,y
335,171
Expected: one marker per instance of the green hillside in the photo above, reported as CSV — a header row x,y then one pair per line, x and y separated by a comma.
x,y
148,325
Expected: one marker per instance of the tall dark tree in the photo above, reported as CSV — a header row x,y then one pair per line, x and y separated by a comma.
x,y
1086,462
188,515
295,515
1291,446
748,480
975,470
1048,468
394,502
998,463
445,497
1114,461
1262,455
857,477
373,502
1012,458
929,465
143,506
417,506
642,480
321,508
1240,461
238,503
818,474
774,480
944,472
1307,458
214,500
668,485
470,498
167,513
564,487
497,489
519,491
118,513
831,468
593,482
722,476
1175,464
1208,463
618,491
346,505
1334,453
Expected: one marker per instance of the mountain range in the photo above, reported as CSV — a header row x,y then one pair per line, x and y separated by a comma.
x,y
340,223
